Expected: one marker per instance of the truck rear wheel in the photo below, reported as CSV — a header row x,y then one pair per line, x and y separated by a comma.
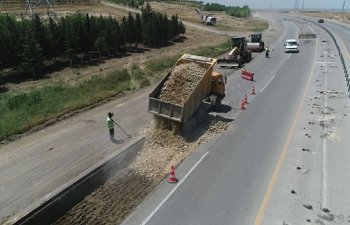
x,y
175,127
156,121
218,103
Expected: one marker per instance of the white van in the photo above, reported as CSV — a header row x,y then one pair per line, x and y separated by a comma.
x,y
291,45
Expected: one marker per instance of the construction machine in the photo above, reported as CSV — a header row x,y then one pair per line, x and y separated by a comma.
x,y
209,19
185,116
239,54
256,43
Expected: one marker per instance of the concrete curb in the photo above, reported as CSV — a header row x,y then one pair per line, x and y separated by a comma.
x,y
55,204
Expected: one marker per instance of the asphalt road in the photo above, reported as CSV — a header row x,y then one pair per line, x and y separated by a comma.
x,y
35,166
285,153
227,181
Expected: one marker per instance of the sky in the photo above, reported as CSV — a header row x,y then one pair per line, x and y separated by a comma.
x,y
285,4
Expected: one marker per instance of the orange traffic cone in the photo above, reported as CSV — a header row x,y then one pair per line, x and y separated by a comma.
x,y
172,178
246,99
242,105
253,91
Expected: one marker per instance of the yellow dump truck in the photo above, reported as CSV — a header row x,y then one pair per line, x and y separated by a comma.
x,y
189,83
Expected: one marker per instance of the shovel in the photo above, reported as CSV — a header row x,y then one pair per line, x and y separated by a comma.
x,y
129,136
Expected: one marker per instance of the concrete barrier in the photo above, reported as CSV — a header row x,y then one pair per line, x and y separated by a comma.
x,y
57,203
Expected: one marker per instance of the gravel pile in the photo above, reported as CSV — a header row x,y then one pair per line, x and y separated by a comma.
x,y
113,201
182,81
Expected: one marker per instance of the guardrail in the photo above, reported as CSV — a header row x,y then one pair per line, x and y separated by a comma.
x,y
340,54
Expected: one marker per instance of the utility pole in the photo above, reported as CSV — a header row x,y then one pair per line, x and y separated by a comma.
x,y
296,4
31,5
343,8
302,6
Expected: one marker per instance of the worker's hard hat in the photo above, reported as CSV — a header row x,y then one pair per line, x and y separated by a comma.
x,y
110,114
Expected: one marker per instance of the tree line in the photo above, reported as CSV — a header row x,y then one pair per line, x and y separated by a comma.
x,y
25,44
236,11
131,3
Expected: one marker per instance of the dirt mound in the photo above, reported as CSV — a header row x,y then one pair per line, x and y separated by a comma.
x,y
113,201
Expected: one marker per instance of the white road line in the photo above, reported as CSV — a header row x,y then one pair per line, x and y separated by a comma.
x,y
176,187
324,143
268,83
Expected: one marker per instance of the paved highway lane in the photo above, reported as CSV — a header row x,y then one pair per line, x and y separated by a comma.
x,y
228,184
342,34
315,172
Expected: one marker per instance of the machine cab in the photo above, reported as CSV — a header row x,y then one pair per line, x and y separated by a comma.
x,y
218,82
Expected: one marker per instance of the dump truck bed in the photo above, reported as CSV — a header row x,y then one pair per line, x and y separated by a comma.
x,y
182,112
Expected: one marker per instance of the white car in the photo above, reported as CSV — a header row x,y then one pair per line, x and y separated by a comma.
x,y
291,45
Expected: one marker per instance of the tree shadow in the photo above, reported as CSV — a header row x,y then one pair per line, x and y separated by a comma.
x,y
3,89
180,39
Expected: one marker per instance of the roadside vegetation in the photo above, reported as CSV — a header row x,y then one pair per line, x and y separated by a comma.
x,y
26,44
236,11
131,3
23,111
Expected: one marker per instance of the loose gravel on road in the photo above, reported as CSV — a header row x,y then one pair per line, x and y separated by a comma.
x,y
113,201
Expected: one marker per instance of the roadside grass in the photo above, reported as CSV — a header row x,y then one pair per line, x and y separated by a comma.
x,y
21,111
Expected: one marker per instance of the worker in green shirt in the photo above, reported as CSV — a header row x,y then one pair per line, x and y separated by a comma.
x,y
110,125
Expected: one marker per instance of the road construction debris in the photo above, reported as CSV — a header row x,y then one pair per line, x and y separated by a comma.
x,y
113,201
308,206
183,80
308,135
326,216
302,170
326,210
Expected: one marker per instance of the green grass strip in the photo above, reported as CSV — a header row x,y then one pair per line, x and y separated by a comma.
x,y
22,111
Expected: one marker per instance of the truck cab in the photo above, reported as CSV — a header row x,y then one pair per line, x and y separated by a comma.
x,y
217,89
291,45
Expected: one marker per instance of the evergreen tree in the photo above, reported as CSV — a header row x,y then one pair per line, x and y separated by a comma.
x,y
54,36
138,29
100,43
69,44
131,29
87,33
125,30
32,58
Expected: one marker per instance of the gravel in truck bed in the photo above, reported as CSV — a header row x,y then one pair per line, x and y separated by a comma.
x,y
182,81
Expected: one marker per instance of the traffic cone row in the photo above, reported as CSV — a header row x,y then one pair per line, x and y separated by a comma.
x,y
242,105
244,101
253,91
172,178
